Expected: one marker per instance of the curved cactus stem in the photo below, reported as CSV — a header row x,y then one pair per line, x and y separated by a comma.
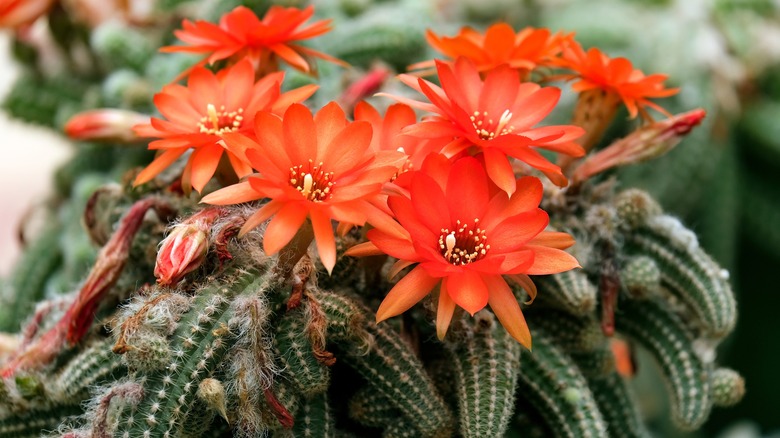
x,y
688,272
293,348
618,406
551,381
486,362
313,420
663,334
392,369
570,291
94,365
30,424
372,409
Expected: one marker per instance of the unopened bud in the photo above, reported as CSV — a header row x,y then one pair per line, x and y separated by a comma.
x,y
212,392
106,124
185,248
364,86
644,144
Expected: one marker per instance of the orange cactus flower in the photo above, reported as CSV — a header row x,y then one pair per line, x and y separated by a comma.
x,y
200,114
241,33
614,76
17,13
466,236
495,116
500,45
317,167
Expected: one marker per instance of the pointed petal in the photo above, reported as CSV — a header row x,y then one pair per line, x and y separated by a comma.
x,y
397,267
323,234
158,165
527,284
444,311
500,170
363,250
233,194
300,134
204,163
516,231
553,239
507,310
260,216
551,261
283,227
406,293
468,291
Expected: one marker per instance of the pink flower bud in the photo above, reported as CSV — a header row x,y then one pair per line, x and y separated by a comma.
x,y
364,86
105,125
185,248
645,143
16,13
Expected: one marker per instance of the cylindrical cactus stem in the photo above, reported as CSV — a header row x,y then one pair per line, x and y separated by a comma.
x,y
401,428
371,409
314,419
728,387
688,272
571,333
294,350
618,406
487,362
391,368
29,424
199,344
41,258
552,382
688,378
346,319
570,291
94,365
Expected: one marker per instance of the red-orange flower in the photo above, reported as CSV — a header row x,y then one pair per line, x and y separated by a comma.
x,y
199,115
495,116
16,13
465,235
617,76
317,167
500,45
241,33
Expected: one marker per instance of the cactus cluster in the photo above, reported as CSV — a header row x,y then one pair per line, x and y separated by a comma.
x,y
225,335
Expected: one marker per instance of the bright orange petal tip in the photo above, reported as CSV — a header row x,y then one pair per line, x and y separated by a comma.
x,y
466,235
500,45
265,41
592,69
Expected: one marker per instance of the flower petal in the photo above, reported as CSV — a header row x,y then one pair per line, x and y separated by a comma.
x,y
468,291
507,310
158,165
232,194
406,293
283,227
444,311
323,234
550,261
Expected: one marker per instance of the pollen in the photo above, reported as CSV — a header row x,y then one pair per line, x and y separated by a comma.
x,y
312,181
220,121
487,128
463,245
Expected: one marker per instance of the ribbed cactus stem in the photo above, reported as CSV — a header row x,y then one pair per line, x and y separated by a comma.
x,y
688,272
294,350
487,363
618,406
688,378
552,382
372,409
314,419
392,369
570,291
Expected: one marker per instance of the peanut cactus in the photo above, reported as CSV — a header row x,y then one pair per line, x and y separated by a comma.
x,y
288,307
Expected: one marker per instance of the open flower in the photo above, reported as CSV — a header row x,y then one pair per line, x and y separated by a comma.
x,y
495,116
466,235
200,114
500,45
241,33
317,167
594,70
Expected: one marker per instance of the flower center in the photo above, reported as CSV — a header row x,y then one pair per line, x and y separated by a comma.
x,y
464,245
219,122
314,183
487,128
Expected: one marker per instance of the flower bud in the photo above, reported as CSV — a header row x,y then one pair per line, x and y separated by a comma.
x,y
105,125
645,143
185,248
